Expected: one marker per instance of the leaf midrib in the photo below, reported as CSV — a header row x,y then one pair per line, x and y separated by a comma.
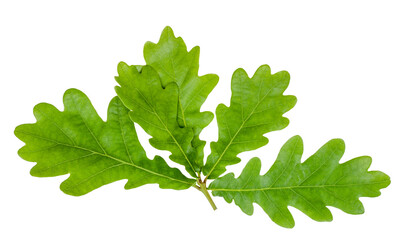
x,y
294,187
165,127
240,128
179,84
174,77
107,156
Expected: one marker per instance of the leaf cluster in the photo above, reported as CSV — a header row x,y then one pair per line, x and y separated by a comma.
x,y
164,97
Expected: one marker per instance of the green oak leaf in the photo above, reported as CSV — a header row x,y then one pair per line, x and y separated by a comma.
x,y
94,152
256,108
170,58
165,97
310,186
154,108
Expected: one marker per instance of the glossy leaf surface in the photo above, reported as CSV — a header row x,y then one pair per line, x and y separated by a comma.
x,y
94,152
310,186
256,108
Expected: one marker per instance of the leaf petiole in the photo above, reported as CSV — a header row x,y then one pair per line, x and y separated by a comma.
x,y
203,189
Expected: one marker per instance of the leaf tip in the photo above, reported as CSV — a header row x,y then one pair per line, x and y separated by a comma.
x,y
285,75
265,68
21,152
72,92
286,223
35,172
41,108
17,130
296,139
338,143
252,168
121,67
196,50
383,179
293,99
167,30
69,189
255,161
240,72
167,34
284,122
117,89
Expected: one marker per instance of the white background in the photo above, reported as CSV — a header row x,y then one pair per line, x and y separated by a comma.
x,y
346,61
